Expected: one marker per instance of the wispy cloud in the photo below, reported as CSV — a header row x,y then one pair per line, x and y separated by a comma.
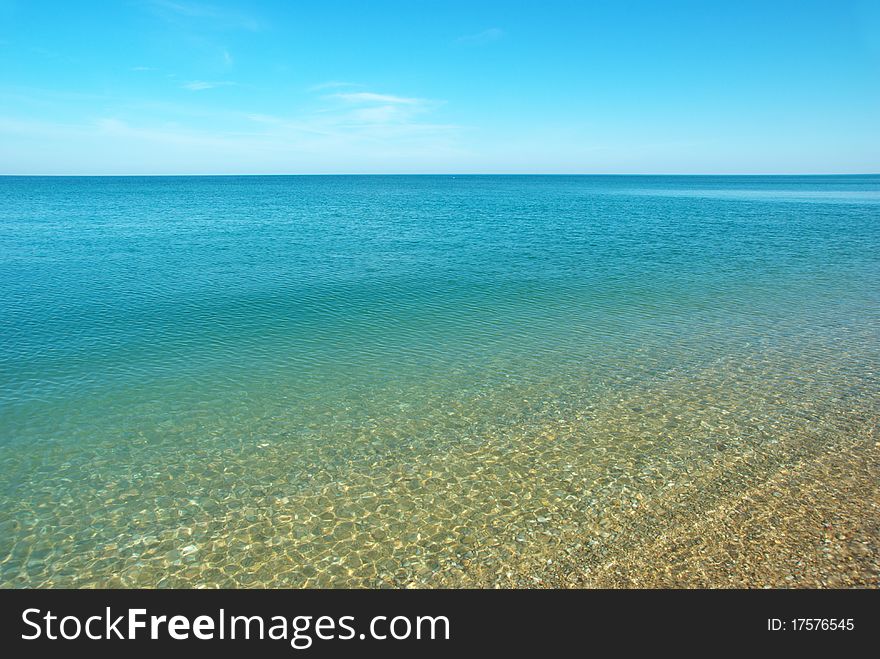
x,y
221,17
332,84
199,85
481,38
358,131
371,112
363,120
370,97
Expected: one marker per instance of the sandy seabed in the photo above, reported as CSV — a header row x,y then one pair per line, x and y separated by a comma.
x,y
814,523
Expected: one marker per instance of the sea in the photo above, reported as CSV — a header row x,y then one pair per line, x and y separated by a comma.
x,y
412,381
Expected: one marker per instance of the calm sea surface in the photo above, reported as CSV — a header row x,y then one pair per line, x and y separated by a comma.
x,y
414,380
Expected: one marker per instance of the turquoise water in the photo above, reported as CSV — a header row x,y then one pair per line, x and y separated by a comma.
x,y
407,380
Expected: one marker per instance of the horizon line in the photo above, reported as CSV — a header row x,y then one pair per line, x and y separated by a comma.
x,y
451,174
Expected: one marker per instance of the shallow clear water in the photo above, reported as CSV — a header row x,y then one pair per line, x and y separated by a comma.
x,y
421,380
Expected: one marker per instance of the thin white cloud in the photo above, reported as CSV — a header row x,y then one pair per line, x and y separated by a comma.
x,y
199,85
381,114
332,84
360,122
187,9
175,10
481,38
264,118
370,97
307,144
367,131
48,129
357,114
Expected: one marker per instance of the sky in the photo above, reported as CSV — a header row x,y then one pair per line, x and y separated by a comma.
x,y
143,87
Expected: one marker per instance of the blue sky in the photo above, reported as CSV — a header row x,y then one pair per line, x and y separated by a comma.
x,y
223,87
